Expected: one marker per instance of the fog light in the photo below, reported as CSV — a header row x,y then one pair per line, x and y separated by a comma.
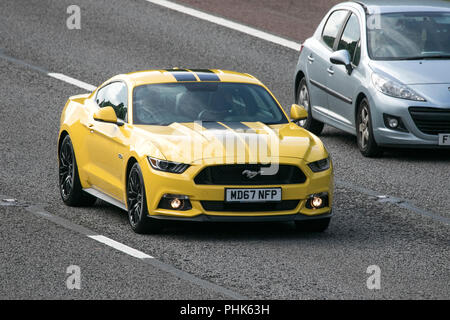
x,y
316,202
393,123
176,203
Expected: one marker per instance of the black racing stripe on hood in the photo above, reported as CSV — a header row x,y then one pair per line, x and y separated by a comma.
x,y
237,126
213,125
182,74
206,75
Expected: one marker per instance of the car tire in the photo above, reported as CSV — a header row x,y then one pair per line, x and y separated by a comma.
x,y
138,216
303,98
364,131
70,188
317,225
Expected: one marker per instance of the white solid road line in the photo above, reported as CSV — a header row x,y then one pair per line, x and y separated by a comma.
x,y
121,247
227,23
75,82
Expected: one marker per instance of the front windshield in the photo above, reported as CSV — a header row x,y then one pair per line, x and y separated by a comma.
x,y
409,35
162,104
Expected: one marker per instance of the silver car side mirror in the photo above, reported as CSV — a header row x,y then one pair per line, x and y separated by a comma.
x,y
342,57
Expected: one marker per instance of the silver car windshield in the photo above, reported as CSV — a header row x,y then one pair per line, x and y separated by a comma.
x,y
162,104
409,36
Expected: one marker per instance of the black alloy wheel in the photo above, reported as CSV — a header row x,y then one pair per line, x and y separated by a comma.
x,y
69,182
137,204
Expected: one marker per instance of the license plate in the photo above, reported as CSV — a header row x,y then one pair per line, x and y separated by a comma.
x,y
444,139
253,195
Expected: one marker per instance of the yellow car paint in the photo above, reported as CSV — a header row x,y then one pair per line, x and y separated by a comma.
x,y
104,150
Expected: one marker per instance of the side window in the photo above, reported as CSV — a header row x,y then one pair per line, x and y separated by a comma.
x,y
114,95
350,39
332,27
100,95
357,55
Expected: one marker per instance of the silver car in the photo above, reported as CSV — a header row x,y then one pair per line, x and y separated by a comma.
x,y
379,70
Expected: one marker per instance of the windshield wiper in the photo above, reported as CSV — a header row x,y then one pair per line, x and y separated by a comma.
x,y
440,56
157,124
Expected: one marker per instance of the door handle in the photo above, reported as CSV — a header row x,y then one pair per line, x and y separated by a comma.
x,y
311,58
330,70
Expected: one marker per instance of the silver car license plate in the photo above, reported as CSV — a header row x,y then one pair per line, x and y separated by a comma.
x,y
252,194
444,139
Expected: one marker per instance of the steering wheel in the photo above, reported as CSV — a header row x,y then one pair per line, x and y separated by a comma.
x,y
205,114
145,115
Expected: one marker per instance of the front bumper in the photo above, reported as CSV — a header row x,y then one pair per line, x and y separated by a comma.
x,y
253,218
158,183
413,138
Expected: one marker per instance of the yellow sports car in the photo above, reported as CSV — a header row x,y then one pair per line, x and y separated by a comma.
x,y
201,145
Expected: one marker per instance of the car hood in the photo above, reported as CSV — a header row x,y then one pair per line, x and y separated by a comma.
x,y
411,72
191,142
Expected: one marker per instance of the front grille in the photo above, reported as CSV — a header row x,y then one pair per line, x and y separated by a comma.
x,y
431,120
234,175
244,207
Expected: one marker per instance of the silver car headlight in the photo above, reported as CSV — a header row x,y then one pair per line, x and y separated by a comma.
x,y
394,89
167,166
320,165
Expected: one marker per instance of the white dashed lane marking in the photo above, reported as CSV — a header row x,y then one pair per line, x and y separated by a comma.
x,y
73,81
121,247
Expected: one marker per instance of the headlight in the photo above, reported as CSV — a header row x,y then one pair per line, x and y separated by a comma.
x,y
321,165
167,166
394,89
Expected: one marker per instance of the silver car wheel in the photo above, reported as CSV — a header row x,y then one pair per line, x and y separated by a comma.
x,y
303,99
364,127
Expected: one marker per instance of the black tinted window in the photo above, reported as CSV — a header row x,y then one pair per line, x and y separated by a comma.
x,y
205,101
350,38
333,26
114,95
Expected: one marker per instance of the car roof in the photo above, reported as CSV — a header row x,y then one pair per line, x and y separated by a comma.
x,y
405,5
182,75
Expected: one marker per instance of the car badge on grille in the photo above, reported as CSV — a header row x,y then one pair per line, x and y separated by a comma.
x,y
251,174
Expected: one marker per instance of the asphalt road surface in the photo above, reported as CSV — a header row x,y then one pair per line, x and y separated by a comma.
x,y
406,233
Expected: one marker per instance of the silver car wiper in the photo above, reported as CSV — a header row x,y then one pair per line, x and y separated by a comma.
x,y
440,56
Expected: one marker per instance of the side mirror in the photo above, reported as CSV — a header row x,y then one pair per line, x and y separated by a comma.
x,y
342,57
298,112
107,114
